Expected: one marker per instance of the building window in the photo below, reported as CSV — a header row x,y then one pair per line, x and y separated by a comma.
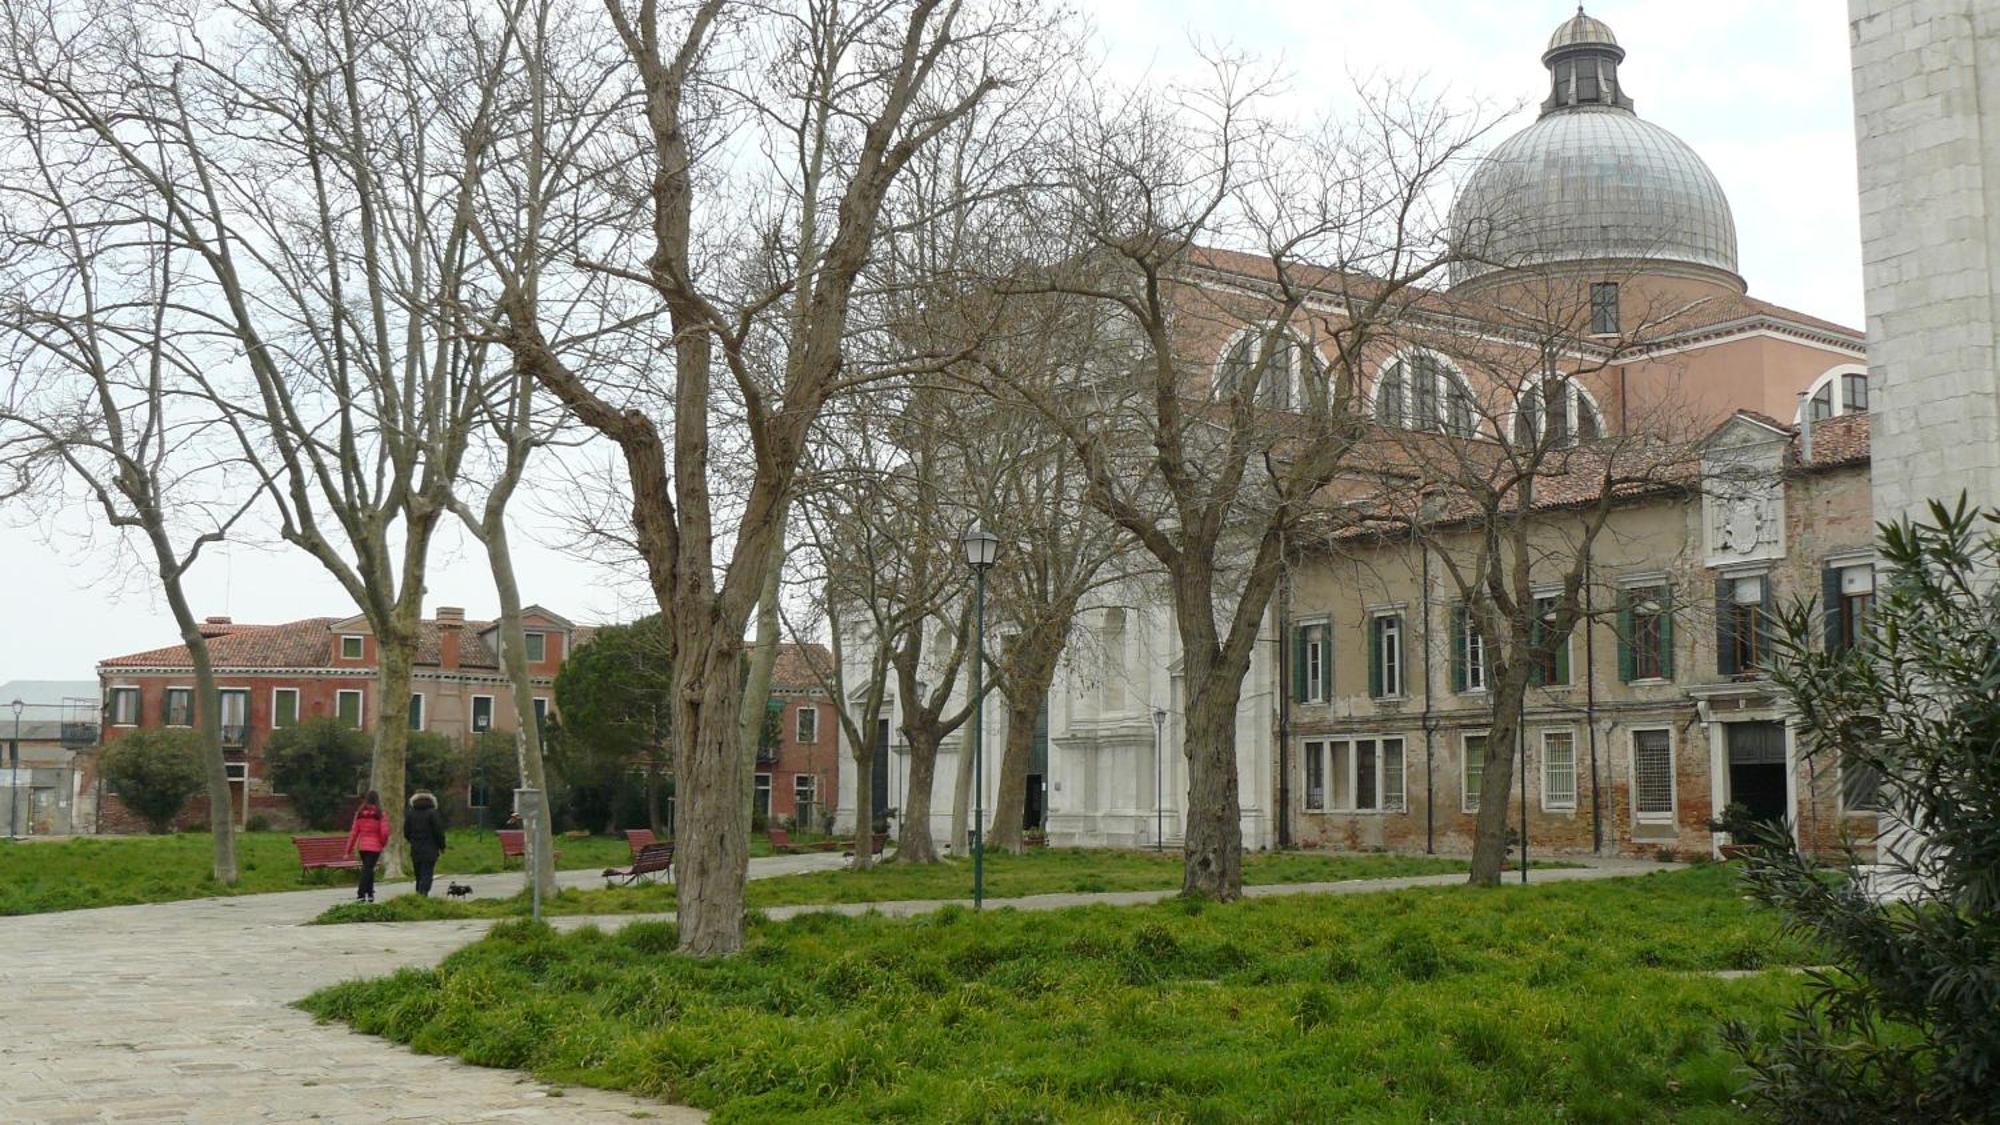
x,y
1558,408
1646,634
1289,362
1836,393
1558,770
235,709
1652,775
1848,593
284,708
1473,768
180,707
1354,775
806,726
1549,658
1742,617
237,772
541,706
347,706
1468,652
1312,663
416,710
1385,656
805,795
482,713
537,647
1422,392
350,647
124,707
1604,308
763,806
1860,787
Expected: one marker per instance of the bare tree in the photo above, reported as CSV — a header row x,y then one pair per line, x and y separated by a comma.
x,y
96,347
1231,408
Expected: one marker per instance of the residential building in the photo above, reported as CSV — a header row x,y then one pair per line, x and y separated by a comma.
x,y
48,730
274,676
798,774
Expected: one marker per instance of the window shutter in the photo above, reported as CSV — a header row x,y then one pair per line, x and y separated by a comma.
x,y
1725,628
1299,637
1375,657
1767,632
1325,661
1458,669
1402,657
1836,631
1666,632
1627,662
1561,661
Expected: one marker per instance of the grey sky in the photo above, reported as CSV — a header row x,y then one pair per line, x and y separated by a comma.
x,y
1759,89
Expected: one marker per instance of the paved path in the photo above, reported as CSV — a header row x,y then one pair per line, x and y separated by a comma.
x,y
181,1011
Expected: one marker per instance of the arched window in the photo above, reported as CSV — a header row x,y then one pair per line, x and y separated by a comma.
x,y
1559,408
1843,390
1290,362
1420,391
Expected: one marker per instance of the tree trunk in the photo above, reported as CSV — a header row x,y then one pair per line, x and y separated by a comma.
x,y
527,731
396,649
916,844
655,819
864,802
1213,849
763,659
1010,804
1496,785
208,712
711,822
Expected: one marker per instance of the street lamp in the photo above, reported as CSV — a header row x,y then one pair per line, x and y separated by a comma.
x,y
1159,814
981,548
14,776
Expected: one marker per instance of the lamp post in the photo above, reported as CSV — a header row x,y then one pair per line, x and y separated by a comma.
x,y
14,776
981,548
1159,813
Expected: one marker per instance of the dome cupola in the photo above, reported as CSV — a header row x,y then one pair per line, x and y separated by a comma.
x,y
1591,182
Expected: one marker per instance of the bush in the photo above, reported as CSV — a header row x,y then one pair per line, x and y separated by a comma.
x,y
1904,1028
432,762
154,772
319,764
258,823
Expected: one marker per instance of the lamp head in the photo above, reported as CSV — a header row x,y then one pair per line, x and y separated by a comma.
x,y
982,547
17,705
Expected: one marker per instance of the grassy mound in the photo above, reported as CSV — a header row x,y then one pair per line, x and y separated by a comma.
x,y
1583,1001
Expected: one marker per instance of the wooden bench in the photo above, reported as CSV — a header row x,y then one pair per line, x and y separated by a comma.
x,y
781,840
652,861
639,839
325,853
514,845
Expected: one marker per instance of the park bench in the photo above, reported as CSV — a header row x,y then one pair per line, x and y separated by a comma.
x,y
639,839
653,860
781,840
514,845
321,853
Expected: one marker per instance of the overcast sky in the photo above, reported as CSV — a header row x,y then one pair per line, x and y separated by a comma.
x,y
1759,89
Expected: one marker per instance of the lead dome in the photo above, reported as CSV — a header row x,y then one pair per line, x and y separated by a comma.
x,y
1591,181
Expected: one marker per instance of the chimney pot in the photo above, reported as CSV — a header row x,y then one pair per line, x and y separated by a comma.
x,y
219,621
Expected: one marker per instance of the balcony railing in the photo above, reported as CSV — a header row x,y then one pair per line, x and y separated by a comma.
x,y
235,735
78,735
767,755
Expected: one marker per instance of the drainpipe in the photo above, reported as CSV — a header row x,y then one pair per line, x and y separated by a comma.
x,y
1430,795
1284,685
1805,430
1590,709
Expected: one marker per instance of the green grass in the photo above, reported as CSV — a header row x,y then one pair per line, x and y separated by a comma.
x,y
1575,1001
1039,871
92,871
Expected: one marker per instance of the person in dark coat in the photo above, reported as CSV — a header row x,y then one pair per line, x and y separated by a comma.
x,y
424,829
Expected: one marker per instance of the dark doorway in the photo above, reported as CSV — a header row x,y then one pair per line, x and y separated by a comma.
x,y
1757,769
1034,809
878,787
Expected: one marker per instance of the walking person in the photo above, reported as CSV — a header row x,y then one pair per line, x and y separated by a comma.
x,y
367,838
424,829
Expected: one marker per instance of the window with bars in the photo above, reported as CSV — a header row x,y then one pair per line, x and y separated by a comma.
x,y
1652,775
1558,770
1473,769
1860,787
1604,307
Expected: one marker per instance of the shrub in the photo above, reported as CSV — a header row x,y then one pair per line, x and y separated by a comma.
x,y
258,823
1904,1030
154,772
318,764
432,762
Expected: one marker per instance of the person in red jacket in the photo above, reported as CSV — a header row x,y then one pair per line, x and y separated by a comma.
x,y
368,837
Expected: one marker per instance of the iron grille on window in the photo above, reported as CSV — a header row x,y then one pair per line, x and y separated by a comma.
x,y
1652,773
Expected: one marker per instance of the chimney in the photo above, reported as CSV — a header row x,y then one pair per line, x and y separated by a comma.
x,y
215,626
451,623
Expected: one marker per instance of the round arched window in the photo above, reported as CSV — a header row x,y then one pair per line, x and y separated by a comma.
x,y
1558,408
1420,391
1288,361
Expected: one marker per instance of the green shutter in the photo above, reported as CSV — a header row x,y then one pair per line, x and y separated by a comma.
x,y
1374,633
1458,671
1299,637
1836,627
1666,632
1627,659
1325,661
1562,660
1536,675
1725,629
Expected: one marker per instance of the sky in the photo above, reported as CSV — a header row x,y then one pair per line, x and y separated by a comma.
x,y
1760,90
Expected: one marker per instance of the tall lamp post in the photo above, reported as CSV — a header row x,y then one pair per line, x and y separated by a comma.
x,y
14,776
981,548
1159,812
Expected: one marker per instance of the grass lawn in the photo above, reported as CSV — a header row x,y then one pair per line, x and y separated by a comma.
x,y
91,871
1039,871
1574,1001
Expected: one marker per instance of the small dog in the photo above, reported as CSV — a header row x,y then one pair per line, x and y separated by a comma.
x,y
458,890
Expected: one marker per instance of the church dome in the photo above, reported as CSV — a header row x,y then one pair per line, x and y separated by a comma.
x,y
1591,181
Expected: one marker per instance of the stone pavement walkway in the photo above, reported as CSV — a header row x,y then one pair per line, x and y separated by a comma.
x,y
181,1011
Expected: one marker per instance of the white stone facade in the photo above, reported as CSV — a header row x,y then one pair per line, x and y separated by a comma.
x,y
1927,120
